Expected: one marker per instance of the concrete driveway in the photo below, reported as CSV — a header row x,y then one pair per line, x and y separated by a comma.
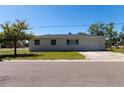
x,y
103,55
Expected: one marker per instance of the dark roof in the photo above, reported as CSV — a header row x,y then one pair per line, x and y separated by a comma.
x,y
67,36
54,35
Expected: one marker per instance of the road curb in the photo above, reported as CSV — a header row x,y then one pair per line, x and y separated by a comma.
x,y
62,61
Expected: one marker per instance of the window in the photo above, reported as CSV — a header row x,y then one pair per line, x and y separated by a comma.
x,y
53,42
73,42
37,42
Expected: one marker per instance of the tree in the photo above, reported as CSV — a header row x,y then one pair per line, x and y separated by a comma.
x,y
112,36
121,35
16,32
122,38
81,33
1,36
100,29
97,29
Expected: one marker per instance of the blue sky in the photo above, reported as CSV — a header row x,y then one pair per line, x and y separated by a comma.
x,y
62,15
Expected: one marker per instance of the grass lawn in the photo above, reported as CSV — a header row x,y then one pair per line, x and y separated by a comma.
x,y
24,54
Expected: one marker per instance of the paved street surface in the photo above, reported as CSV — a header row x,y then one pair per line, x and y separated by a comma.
x,y
62,74
103,55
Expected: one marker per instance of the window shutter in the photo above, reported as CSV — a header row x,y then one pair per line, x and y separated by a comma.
x,y
77,42
67,42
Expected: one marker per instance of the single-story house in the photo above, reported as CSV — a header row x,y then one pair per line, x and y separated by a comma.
x,y
63,42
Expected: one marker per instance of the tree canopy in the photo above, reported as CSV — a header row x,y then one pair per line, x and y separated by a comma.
x,y
15,32
1,37
107,30
97,29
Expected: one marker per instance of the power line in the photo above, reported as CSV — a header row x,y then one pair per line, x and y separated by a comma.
x,y
56,26
67,26
62,26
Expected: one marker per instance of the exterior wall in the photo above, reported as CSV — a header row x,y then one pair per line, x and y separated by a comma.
x,y
61,44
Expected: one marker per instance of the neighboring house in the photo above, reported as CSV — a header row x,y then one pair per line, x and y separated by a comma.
x,y
65,42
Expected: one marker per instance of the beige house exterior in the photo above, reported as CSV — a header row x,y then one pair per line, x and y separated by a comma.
x,y
67,42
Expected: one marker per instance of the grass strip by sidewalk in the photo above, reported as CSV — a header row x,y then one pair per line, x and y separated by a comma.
x,y
24,54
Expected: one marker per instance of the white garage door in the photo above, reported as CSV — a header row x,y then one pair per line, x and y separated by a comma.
x,y
93,45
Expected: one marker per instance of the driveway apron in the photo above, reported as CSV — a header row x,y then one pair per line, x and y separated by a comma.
x,y
102,55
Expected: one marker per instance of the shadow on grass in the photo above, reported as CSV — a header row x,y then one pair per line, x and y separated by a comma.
x,y
18,56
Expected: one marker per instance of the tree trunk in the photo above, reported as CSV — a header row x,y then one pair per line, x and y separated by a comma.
x,y
15,44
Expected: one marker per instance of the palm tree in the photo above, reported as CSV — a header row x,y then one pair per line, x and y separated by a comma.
x,y
16,32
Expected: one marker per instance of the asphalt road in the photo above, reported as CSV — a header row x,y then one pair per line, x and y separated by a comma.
x,y
61,74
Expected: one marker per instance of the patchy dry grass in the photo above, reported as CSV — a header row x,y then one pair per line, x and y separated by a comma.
x,y
121,50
